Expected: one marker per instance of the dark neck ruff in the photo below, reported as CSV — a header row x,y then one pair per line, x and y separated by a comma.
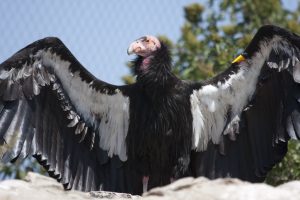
x,y
157,75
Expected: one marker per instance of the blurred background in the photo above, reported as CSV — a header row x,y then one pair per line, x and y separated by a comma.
x,y
204,36
97,32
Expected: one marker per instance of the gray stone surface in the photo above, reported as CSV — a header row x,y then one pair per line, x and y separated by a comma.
x,y
224,189
37,187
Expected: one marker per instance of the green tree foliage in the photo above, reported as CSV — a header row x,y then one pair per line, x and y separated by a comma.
x,y
289,168
212,36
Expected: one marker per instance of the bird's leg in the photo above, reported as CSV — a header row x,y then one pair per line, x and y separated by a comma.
x,y
145,183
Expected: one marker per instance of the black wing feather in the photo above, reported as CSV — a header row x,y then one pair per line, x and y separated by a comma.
x,y
38,117
269,118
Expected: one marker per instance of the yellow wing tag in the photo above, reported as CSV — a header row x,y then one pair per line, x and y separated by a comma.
x,y
239,59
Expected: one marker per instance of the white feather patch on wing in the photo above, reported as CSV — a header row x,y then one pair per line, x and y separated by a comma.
x,y
92,105
210,104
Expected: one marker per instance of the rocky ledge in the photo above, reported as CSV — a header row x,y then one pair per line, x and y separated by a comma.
x,y
38,187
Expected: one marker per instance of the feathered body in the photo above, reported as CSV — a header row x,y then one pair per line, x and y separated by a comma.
x,y
160,129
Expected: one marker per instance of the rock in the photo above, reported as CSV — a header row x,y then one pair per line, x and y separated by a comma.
x,y
223,189
38,187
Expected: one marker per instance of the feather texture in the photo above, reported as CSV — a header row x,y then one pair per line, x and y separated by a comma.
x,y
50,109
245,115
91,135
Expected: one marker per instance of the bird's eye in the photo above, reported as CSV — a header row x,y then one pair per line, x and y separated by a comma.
x,y
147,40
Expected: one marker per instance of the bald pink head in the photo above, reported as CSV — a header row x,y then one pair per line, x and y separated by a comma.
x,y
144,46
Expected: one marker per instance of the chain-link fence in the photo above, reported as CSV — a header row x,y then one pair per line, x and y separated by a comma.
x,y
97,32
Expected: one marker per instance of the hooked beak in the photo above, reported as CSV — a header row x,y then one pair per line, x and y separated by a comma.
x,y
135,47
130,49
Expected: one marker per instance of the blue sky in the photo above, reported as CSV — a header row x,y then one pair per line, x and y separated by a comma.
x,y
97,32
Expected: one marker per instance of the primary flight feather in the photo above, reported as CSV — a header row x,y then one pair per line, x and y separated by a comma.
x,y
91,135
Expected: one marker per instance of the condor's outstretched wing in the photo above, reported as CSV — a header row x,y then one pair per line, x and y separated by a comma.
x,y
243,118
53,108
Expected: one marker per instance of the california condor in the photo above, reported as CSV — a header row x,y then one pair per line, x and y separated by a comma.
x,y
91,135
